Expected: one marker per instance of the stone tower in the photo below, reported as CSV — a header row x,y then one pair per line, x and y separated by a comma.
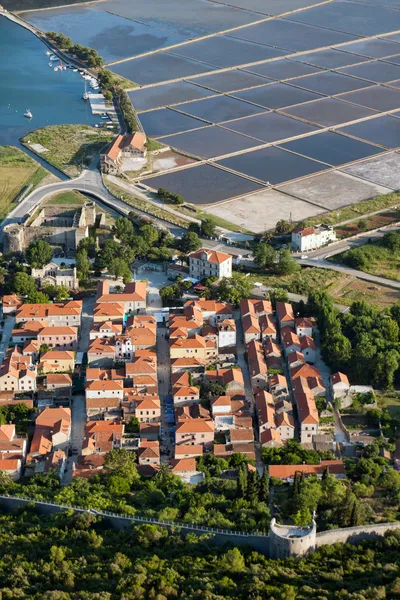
x,y
13,238
289,540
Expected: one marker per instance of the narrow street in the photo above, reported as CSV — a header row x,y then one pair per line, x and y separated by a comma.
x,y
78,405
164,386
9,323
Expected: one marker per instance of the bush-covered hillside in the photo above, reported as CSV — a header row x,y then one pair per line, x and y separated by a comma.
x,y
69,557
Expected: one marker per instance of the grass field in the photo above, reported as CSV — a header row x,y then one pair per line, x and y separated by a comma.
x,y
71,147
307,280
391,401
376,259
66,198
17,170
356,210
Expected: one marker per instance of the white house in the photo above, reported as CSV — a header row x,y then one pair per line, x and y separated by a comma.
x,y
209,263
308,349
124,348
340,384
303,326
310,238
105,388
226,333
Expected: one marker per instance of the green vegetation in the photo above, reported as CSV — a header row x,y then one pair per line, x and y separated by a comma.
x,y
39,253
18,414
71,147
363,342
356,210
68,197
304,282
17,171
153,145
234,289
145,206
379,258
89,56
169,197
119,488
279,262
78,557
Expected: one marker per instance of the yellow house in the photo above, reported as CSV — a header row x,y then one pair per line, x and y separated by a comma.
x,y
198,346
57,361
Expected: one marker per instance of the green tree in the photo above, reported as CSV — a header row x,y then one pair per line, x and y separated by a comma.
x,y
190,242
83,264
253,487
123,229
264,256
232,561
283,227
264,487
242,481
24,284
150,234
39,253
286,264
208,227
37,298
234,289
120,268
278,295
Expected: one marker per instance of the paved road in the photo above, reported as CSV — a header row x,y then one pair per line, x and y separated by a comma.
x,y
89,182
324,264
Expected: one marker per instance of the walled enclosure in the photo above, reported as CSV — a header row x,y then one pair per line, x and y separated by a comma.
x,y
58,225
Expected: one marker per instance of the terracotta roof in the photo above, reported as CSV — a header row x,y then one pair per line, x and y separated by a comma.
x,y
242,435
304,231
107,326
149,429
133,292
102,346
12,301
267,324
303,322
109,309
59,379
270,435
289,338
265,407
195,426
295,357
284,311
104,385
250,324
179,465
103,402
149,403
212,256
31,346
335,467
44,311
278,379
340,377
50,416
7,432
187,362
185,391
183,449
54,331
307,342
284,419
41,442
194,342
7,464
271,347
257,307
58,355
220,308
305,371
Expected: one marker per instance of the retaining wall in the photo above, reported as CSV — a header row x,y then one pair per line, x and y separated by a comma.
x,y
353,535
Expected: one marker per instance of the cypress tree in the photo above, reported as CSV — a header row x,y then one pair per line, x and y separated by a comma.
x,y
242,481
264,487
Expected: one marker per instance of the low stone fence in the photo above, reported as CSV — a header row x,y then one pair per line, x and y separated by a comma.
x,y
354,535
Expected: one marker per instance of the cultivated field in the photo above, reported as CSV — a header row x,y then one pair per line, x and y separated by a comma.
x,y
17,170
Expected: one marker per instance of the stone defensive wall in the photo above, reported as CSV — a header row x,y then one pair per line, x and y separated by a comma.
x,y
282,542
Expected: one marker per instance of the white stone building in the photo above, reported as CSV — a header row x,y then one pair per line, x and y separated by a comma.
x,y
311,238
209,263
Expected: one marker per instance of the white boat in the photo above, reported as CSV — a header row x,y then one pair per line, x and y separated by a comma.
x,y
48,53
53,58
75,70
85,93
50,64
28,114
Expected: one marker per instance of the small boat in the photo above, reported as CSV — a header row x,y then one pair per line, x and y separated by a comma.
x,y
50,64
75,70
48,53
53,58
28,114
85,93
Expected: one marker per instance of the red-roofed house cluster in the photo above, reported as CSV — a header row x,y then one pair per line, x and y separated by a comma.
x,y
281,354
